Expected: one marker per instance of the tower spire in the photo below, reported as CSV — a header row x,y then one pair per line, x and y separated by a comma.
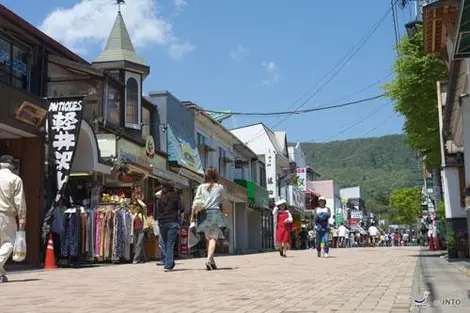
x,y
119,3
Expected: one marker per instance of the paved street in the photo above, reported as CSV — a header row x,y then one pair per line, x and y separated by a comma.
x,y
352,280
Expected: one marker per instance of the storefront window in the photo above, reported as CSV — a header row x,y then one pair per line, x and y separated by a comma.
x,y
112,108
145,122
14,64
132,103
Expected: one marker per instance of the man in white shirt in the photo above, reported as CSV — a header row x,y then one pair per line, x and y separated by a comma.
x,y
12,205
342,235
373,233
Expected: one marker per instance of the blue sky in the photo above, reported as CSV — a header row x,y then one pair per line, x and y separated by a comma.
x,y
247,55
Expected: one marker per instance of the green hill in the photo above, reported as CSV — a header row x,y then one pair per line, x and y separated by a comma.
x,y
379,165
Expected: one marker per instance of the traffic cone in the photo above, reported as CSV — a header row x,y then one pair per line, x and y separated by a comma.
x,y
49,264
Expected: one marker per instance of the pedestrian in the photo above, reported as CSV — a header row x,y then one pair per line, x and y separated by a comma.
x,y
12,205
322,227
212,219
342,236
335,232
311,238
284,220
170,210
156,215
373,235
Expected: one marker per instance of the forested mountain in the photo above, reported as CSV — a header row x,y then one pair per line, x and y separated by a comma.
x,y
379,165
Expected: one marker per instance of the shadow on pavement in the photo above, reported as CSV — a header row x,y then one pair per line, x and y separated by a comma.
x,y
427,255
23,280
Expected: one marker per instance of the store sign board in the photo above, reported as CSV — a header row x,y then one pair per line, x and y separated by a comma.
x,y
64,122
30,114
184,247
302,179
235,192
298,198
356,214
140,155
271,174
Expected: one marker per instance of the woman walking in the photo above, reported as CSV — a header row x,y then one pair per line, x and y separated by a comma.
x,y
170,209
284,221
322,227
212,221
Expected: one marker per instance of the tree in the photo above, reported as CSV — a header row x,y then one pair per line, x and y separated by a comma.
x,y
414,92
407,204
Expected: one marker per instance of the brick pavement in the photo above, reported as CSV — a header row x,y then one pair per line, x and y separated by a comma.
x,y
352,280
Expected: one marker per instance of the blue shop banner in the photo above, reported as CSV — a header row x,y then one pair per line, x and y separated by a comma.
x,y
183,150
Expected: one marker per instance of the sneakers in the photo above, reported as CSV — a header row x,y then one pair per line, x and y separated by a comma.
x,y
3,279
160,263
325,255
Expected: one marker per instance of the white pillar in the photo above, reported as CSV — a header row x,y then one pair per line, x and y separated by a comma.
x,y
450,176
465,111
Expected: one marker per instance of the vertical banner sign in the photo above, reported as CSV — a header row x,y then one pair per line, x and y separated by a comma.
x,y
64,122
184,248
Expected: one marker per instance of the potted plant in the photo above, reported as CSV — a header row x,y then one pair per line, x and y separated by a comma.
x,y
451,244
462,243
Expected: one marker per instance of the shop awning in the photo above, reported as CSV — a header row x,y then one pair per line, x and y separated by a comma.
x,y
258,197
170,176
191,175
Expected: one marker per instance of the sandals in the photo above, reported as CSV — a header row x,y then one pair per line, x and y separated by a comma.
x,y
210,265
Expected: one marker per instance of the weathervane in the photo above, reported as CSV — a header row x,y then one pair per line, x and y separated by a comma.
x,y
119,3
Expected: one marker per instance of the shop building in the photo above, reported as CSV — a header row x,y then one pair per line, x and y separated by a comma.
x,y
119,142
24,54
219,148
445,28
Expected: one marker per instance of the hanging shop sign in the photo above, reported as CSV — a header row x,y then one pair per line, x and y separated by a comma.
x,y
271,174
184,248
30,114
356,214
235,192
64,121
182,149
141,155
301,179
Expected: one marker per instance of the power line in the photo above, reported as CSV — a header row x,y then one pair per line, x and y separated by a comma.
x,y
334,72
314,109
356,123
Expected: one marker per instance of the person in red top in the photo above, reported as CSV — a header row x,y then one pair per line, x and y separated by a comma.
x,y
283,219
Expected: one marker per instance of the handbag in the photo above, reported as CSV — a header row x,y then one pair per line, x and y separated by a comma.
x,y
199,202
19,249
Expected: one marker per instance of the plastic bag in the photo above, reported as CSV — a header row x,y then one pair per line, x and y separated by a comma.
x,y
156,228
193,236
19,249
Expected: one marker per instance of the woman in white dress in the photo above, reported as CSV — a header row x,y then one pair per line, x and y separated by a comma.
x,y
212,220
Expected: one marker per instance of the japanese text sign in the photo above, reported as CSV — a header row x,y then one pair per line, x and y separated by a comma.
x,y
64,122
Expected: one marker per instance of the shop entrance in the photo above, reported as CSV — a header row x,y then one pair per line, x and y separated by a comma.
x,y
26,149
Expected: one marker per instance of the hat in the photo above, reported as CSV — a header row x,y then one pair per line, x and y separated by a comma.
x,y
7,159
322,198
280,201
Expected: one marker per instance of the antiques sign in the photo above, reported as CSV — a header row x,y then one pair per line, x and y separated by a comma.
x,y
64,122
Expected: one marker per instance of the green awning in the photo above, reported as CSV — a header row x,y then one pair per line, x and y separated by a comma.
x,y
257,195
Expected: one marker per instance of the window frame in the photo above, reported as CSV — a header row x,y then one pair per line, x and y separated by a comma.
x,y
139,103
222,153
20,45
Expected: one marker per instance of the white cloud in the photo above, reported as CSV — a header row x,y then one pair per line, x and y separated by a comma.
x,y
238,53
180,4
89,22
271,73
179,50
